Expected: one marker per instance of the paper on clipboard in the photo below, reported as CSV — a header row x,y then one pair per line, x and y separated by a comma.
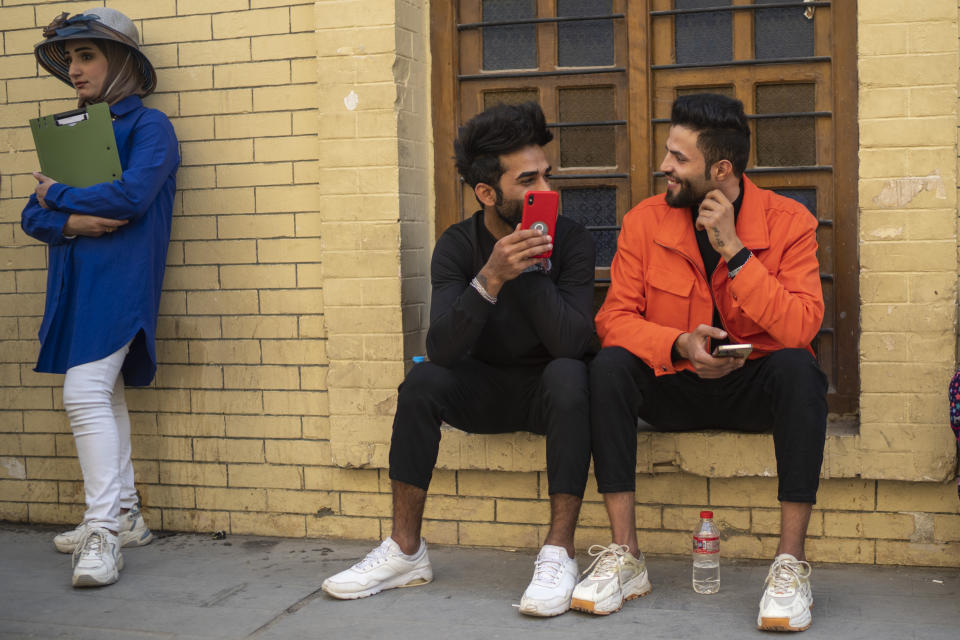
x,y
78,147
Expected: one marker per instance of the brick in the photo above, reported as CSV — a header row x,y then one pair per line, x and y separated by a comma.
x,y
255,226
339,479
251,23
155,447
181,29
190,425
186,78
915,553
215,51
499,535
265,475
841,550
261,377
254,327
286,148
854,495
193,473
262,173
195,227
317,427
909,256
222,201
286,98
515,511
195,521
262,427
295,301
261,276
946,528
729,521
193,128
288,250
297,452
163,496
917,496
56,513
216,152
253,125
894,377
291,198
767,521
305,502
227,450
868,525
191,278
204,401
313,403
498,484
222,302
365,504
28,491
251,74
216,102
232,499
27,444
281,47
331,526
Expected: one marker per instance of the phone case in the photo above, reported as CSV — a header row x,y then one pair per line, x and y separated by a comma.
x,y
540,212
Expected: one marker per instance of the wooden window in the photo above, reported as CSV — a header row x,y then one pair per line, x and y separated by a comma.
x,y
606,73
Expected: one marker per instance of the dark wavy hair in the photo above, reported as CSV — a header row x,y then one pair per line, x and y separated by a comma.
x,y
721,125
500,130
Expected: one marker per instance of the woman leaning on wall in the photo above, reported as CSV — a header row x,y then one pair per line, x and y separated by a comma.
x,y
107,250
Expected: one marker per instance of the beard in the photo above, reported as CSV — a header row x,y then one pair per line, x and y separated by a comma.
x,y
510,211
686,198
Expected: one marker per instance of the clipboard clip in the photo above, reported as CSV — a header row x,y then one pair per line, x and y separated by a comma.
x,y
70,118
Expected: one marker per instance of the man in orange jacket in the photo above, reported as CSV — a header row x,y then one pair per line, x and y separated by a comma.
x,y
713,261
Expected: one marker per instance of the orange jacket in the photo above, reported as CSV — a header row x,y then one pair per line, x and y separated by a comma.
x,y
659,286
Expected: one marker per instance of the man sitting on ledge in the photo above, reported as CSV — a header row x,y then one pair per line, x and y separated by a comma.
x,y
507,335
713,261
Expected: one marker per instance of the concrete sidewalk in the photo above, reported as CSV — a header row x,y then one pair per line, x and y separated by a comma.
x,y
190,586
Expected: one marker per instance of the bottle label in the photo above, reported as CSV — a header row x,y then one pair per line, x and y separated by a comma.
x,y
707,545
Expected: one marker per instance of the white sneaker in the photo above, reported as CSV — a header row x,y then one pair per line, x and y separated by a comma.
x,y
386,567
97,560
554,576
787,596
133,532
615,576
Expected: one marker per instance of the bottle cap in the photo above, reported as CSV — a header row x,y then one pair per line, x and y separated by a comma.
x,y
706,514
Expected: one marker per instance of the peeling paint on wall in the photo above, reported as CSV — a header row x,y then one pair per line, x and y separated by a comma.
x,y
14,467
899,192
351,100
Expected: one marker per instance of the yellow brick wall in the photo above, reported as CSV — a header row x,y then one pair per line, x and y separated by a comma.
x,y
297,289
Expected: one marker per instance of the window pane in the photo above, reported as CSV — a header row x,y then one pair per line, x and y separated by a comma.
x,y
514,46
593,207
786,142
782,33
511,96
806,197
584,44
703,37
587,146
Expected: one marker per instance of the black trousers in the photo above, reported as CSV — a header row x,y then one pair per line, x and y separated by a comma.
x,y
479,398
785,391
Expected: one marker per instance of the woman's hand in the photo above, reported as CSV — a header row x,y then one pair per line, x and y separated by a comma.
x,y
43,185
90,226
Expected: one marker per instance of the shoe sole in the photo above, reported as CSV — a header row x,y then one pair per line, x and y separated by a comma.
x,y
126,542
356,595
785,623
589,606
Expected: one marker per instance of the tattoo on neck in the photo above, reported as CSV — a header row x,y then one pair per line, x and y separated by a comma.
x,y
716,234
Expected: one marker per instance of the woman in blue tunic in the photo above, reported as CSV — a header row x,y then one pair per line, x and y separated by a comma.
x,y
107,250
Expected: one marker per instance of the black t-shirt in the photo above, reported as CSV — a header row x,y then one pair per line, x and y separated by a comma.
x,y
538,316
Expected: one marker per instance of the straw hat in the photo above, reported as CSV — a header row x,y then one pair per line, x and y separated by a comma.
x,y
93,24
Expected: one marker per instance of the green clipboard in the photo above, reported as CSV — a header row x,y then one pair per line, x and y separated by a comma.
x,y
78,147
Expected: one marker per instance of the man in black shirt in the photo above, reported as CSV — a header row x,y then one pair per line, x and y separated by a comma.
x,y
507,335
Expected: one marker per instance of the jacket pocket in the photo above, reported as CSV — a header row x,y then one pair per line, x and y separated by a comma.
x,y
668,298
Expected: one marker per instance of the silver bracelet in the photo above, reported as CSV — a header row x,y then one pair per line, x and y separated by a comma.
x,y
733,272
483,292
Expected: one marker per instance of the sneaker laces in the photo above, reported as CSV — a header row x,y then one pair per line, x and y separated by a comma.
x,y
547,571
785,573
90,546
378,556
607,560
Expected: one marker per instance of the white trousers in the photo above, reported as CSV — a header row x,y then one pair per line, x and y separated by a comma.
x,y
94,400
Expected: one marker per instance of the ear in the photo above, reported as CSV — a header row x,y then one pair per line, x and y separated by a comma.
x,y
722,170
485,194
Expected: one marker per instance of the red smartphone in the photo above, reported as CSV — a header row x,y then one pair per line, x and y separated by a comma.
x,y
540,212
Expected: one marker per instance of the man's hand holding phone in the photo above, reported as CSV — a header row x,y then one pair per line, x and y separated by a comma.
x,y
511,256
693,347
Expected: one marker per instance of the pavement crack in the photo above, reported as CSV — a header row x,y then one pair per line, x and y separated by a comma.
x,y
292,609
223,594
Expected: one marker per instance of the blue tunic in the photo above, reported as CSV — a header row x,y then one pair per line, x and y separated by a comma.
x,y
104,292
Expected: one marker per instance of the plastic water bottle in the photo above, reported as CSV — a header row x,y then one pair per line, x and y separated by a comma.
x,y
706,555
